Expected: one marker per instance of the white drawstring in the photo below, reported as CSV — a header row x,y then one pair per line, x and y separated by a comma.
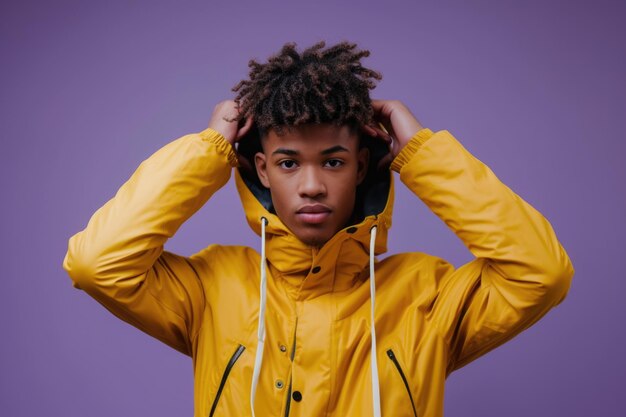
x,y
261,326
374,361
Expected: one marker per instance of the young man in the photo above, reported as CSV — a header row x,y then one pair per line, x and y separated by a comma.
x,y
315,324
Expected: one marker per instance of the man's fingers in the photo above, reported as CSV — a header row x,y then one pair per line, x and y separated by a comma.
x,y
385,162
375,104
244,163
369,130
382,133
245,128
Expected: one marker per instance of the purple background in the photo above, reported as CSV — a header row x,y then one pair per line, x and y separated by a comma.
x,y
536,90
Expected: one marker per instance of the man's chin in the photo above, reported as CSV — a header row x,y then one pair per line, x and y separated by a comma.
x,y
314,240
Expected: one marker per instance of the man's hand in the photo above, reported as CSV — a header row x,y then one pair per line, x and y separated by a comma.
x,y
398,126
232,131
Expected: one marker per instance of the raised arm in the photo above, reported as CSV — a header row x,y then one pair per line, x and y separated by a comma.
x,y
119,259
521,270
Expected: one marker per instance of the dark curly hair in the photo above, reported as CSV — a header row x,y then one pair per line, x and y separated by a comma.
x,y
316,86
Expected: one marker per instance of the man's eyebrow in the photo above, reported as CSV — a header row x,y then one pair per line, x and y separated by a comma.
x,y
285,152
293,152
334,149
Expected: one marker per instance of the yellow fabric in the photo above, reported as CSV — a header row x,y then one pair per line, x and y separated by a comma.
x,y
434,317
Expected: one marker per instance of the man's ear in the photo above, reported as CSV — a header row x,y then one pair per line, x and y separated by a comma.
x,y
261,168
363,163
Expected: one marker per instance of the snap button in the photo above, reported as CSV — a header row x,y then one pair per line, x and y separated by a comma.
x,y
316,269
283,348
279,384
297,396
351,229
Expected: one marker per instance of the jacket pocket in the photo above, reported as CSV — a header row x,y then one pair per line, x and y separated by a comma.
x,y
393,358
229,366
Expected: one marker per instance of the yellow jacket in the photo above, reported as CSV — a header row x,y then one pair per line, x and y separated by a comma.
x,y
430,317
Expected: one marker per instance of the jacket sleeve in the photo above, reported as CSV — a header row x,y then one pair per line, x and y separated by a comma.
x,y
520,271
119,259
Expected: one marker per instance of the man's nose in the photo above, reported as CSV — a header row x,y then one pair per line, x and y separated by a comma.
x,y
311,183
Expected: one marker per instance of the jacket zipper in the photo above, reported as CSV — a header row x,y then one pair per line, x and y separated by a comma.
x,y
229,366
288,399
393,358
293,351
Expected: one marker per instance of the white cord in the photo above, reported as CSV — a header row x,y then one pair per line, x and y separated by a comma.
x,y
261,326
374,360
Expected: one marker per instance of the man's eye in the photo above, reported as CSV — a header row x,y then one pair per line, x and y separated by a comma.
x,y
334,163
288,164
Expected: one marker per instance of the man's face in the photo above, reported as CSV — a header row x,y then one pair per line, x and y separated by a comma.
x,y
312,173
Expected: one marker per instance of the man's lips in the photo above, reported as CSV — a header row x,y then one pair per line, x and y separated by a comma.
x,y
313,213
313,208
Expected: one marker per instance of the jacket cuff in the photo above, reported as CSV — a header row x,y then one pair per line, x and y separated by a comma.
x,y
410,148
222,145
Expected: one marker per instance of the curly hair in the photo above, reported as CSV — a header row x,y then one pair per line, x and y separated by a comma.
x,y
316,86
